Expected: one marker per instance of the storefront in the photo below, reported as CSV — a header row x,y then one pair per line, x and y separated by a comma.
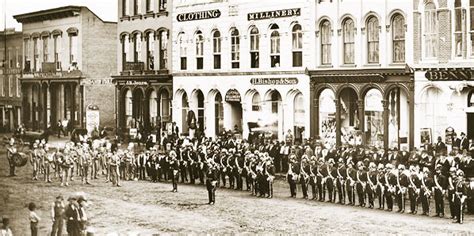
x,y
271,104
143,103
372,107
444,104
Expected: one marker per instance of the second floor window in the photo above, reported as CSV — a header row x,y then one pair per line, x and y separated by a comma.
x,y
26,55
136,7
199,51
150,5
348,40
459,22
150,50
398,38
325,42
235,48
216,39
275,47
297,46
163,49
254,48
124,7
430,31
56,48
45,49
182,52
137,47
373,40
163,5
35,54
73,49
125,49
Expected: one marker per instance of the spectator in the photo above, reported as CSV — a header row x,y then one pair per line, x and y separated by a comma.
x,y
34,219
5,230
57,215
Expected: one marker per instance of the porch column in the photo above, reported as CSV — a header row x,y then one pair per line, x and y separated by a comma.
x,y
386,114
338,122
360,104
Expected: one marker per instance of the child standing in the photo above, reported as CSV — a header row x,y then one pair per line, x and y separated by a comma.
x,y
34,219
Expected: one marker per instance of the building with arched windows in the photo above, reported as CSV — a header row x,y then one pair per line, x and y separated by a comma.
x,y
361,86
143,81
444,59
241,66
68,56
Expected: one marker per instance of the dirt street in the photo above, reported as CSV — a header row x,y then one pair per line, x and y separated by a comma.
x,y
148,208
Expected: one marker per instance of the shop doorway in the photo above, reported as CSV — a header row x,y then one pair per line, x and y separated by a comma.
x,y
137,111
470,115
349,113
327,117
273,117
219,115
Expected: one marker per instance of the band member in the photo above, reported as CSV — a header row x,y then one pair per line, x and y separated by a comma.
x,y
371,186
114,165
270,174
211,182
11,150
351,182
426,191
451,189
380,180
460,195
361,182
292,175
439,188
402,187
414,189
86,163
390,185
174,168
340,181
48,160
304,176
35,159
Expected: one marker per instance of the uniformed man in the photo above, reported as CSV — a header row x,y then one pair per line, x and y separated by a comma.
x,y
211,182
57,215
304,176
414,188
439,189
402,187
361,182
174,169
460,196
371,186
426,190
114,165
292,175
390,185
351,182
380,181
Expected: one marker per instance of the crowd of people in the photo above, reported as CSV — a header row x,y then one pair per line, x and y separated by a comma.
x,y
352,175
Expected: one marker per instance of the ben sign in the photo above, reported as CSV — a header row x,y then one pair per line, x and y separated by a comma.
x,y
455,74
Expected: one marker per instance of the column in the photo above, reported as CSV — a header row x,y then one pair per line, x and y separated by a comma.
x,y
314,120
338,122
73,104
48,104
61,105
360,104
245,127
386,114
411,128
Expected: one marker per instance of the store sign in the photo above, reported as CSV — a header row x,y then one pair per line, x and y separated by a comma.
x,y
274,81
456,74
274,14
233,96
200,15
132,82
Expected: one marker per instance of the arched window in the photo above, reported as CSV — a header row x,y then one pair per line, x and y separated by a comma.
x,y
326,38
430,31
256,102
153,108
459,22
45,40
137,47
182,51
199,50
299,110
275,46
235,48
216,39
373,40
254,48
150,50
136,7
35,55
398,38
125,49
471,27
163,49
348,40
128,106
297,46
165,106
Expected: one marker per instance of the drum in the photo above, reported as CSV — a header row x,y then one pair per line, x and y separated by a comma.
x,y
19,159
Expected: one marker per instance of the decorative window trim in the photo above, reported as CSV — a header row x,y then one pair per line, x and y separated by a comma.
x,y
72,31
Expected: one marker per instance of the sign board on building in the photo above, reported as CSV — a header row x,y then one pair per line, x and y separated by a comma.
x,y
274,81
233,96
92,118
454,74
449,135
200,15
274,14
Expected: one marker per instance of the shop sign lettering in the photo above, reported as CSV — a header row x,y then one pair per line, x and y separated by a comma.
x,y
274,81
449,74
200,15
274,14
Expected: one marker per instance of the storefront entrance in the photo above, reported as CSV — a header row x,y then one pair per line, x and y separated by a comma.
x,y
470,115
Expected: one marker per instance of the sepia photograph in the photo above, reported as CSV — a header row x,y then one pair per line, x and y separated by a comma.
x,y
236,117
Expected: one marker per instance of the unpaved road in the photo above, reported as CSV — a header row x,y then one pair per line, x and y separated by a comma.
x,y
149,208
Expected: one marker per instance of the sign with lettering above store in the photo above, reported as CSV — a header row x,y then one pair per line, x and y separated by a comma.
x,y
200,15
451,74
274,81
274,14
233,96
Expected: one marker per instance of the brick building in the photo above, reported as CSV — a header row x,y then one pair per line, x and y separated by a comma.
x,y
143,82
10,72
444,59
69,55
361,86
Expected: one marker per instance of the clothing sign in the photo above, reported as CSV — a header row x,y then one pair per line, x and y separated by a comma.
x,y
200,15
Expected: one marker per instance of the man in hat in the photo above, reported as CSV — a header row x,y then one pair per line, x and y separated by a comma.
x,y
57,215
351,174
440,147
402,187
211,182
174,168
82,201
11,150
426,190
460,196
414,189
464,144
380,181
72,217
440,187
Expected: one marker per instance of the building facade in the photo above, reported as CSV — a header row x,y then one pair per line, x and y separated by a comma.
x,y
361,86
444,59
10,73
241,66
143,81
69,54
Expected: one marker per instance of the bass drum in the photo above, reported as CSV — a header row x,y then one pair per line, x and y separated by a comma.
x,y
19,159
